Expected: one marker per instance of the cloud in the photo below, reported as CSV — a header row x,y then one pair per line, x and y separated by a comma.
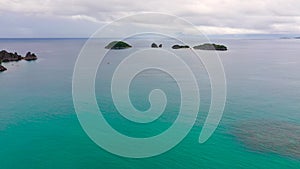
x,y
217,16
84,17
228,30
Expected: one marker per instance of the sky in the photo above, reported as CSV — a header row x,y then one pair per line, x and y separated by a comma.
x,y
81,18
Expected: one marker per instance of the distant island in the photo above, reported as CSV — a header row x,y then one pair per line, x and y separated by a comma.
x,y
205,46
118,45
209,46
286,37
154,45
14,57
180,46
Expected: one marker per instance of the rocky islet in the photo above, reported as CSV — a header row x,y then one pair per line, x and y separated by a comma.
x,y
14,57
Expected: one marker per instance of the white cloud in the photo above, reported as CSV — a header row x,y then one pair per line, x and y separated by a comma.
x,y
227,30
84,17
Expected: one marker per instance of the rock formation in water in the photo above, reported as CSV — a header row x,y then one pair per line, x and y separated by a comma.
x,y
30,56
2,68
180,47
14,57
154,45
118,45
208,46
8,57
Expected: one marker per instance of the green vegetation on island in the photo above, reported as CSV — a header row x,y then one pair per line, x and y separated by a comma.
x,y
118,45
209,46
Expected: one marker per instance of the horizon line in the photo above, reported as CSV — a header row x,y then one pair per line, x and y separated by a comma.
x,y
286,35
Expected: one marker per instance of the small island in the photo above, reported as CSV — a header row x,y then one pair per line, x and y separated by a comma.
x,y
30,56
118,45
9,57
288,37
154,45
209,46
180,47
14,57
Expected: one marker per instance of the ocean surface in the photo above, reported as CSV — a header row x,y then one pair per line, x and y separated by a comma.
x,y
260,128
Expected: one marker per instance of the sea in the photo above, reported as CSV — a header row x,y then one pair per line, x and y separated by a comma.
x,y
259,129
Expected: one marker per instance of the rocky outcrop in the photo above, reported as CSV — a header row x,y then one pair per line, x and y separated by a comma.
x,y
30,56
209,46
14,57
180,47
8,57
154,45
118,45
2,68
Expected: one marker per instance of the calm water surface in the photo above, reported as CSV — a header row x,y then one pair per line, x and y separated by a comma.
x,y
260,127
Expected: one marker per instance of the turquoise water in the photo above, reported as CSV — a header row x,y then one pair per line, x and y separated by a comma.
x,y
39,127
